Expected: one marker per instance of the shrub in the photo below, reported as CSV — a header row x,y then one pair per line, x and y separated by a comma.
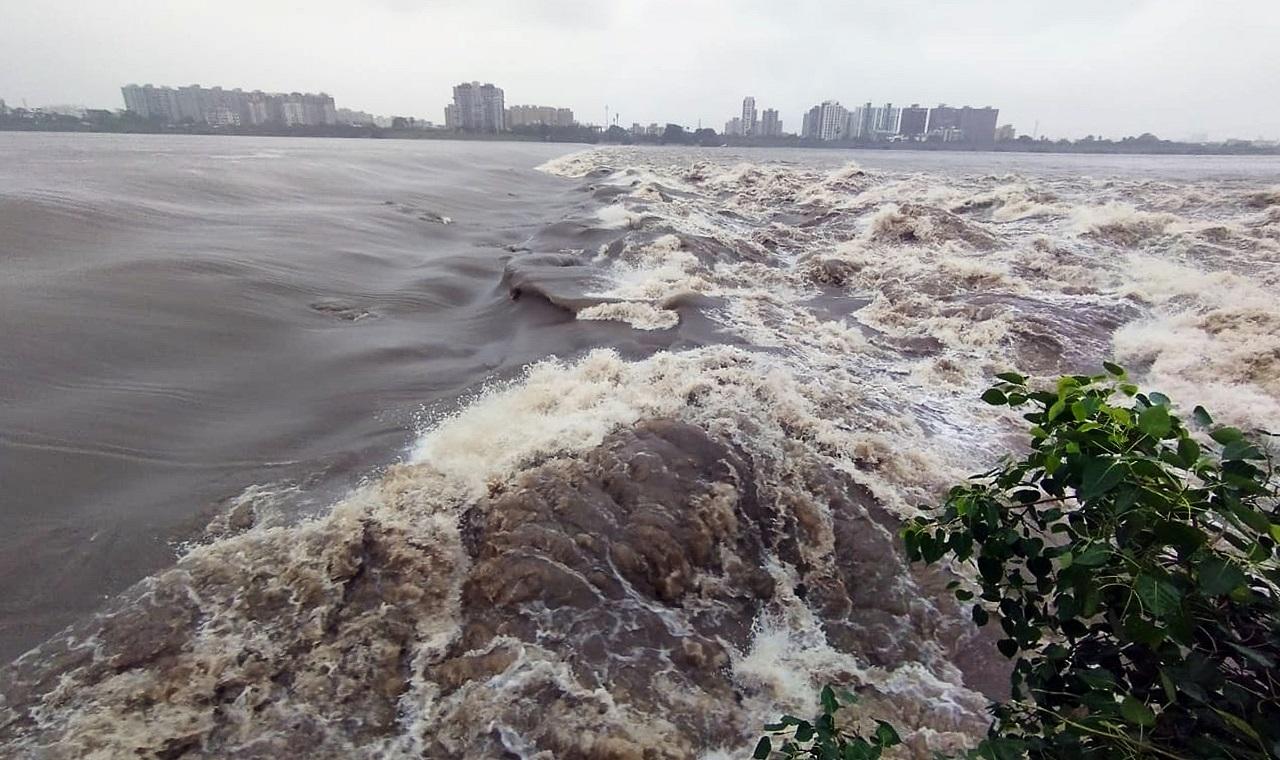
x,y
1132,567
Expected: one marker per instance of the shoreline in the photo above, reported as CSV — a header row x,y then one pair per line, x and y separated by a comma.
x,y
381,133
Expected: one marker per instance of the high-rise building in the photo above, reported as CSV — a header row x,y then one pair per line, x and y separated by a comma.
x,y
868,122
831,121
978,125
887,121
733,127
150,102
480,107
219,107
1005,132
809,129
533,115
294,114
770,124
943,117
749,116
913,122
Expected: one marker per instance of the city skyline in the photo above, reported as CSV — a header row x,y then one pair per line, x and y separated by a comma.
x,y
1175,68
228,107
477,107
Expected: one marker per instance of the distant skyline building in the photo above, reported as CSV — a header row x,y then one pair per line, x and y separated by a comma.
x,y
218,107
978,125
518,116
749,121
1006,132
913,122
733,127
829,121
770,124
807,130
480,108
943,117
832,121
361,118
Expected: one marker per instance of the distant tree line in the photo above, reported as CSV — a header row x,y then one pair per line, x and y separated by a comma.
x,y
20,119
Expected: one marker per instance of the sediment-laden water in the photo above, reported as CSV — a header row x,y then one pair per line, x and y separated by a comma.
x,y
653,417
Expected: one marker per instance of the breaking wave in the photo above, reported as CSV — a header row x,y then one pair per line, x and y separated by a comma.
x,y
650,557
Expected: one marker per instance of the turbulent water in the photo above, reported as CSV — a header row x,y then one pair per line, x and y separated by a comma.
x,y
655,416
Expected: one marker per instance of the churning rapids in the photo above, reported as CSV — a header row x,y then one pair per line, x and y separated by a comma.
x,y
678,520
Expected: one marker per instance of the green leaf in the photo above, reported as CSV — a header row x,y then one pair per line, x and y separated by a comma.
x,y
1218,576
1180,535
1239,724
1012,377
804,731
1170,690
991,569
1114,369
995,397
1002,749
1253,654
1057,409
1100,476
1158,595
829,703
1158,399
1154,421
1240,449
763,748
1135,711
1093,555
1225,435
1139,629
887,735
1201,416
1253,518
1188,452
980,615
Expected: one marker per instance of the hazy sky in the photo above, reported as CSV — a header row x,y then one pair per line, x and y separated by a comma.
x,y
1108,67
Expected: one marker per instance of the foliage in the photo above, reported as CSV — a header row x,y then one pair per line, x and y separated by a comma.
x,y
822,738
674,134
1133,569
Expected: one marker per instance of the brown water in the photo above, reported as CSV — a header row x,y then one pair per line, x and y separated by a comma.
x,y
184,318
419,547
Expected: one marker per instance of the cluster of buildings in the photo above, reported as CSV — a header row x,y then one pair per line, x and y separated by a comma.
x,y
653,130
218,107
753,124
830,121
550,116
482,108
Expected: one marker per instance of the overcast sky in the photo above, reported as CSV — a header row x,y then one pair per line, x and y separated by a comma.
x,y
1107,67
